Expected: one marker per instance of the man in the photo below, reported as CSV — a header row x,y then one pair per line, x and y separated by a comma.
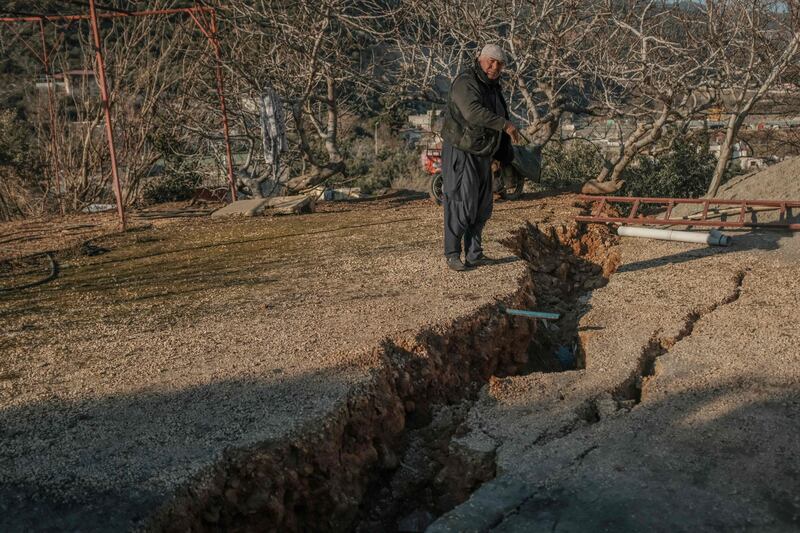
x,y
476,133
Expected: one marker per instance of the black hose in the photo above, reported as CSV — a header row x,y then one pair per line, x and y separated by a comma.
x,y
50,277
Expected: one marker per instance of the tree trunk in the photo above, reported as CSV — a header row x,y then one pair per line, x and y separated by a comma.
x,y
333,123
320,172
737,119
316,176
725,153
640,138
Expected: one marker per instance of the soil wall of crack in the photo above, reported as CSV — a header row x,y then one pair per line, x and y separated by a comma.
x,y
384,460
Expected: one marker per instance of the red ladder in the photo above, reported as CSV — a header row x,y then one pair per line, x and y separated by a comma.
x,y
712,207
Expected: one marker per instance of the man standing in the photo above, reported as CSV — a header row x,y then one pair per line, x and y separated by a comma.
x,y
476,132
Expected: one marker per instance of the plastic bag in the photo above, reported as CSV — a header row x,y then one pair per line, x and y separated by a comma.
x,y
528,162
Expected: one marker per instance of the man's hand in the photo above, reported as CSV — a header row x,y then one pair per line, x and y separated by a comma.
x,y
512,131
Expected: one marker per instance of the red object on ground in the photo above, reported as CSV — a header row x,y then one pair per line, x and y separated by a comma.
x,y
432,160
720,207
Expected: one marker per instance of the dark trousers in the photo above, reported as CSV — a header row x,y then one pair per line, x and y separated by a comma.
x,y
467,188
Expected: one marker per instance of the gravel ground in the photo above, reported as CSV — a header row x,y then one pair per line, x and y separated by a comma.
x,y
711,334
20,238
134,370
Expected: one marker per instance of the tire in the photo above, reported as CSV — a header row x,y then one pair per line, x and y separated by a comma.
x,y
511,185
436,188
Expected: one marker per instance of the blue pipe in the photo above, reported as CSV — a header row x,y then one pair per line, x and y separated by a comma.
x,y
533,314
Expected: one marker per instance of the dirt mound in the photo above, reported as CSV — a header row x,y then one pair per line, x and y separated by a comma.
x,y
778,182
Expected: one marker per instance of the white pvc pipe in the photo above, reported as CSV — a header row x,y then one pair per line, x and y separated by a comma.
x,y
714,238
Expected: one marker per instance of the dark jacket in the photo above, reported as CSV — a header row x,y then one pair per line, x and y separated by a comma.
x,y
476,115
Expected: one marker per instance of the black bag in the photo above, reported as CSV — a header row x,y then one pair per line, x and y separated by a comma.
x,y
528,162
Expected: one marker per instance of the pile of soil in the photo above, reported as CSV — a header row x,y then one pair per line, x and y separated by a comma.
x,y
777,182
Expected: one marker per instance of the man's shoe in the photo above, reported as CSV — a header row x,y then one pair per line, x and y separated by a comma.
x,y
454,263
481,260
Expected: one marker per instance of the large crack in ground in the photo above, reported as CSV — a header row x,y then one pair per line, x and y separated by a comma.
x,y
632,392
635,388
620,399
388,458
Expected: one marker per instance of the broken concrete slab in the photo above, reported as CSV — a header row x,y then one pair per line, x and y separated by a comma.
x,y
246,208
290,205
282,205
699,433
485,508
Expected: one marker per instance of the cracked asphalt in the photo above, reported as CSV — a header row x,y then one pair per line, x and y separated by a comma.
x,y
686,417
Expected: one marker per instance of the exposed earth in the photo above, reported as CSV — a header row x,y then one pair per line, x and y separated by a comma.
x,y
686,417
326,372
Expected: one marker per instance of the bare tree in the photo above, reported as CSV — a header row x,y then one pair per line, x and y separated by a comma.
x,y
641,61
142,57
757,41
552,44
323,58
433,41
549,73
653,64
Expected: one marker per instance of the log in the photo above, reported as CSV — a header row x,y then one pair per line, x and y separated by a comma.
x,y
279,205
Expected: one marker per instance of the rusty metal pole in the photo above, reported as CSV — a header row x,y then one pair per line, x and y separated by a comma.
x,y
50,105
221,93
101,81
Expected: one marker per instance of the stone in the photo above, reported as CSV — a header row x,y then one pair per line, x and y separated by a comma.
x,y
281,205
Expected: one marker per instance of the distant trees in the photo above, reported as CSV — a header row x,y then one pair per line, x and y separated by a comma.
x,y
147,70
550,42
754,43
323,58
21,191
151,65
652,65
554,45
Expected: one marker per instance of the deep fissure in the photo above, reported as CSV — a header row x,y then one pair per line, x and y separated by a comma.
x,y
411,498
389,458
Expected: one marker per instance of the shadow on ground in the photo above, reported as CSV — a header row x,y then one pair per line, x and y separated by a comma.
x,y
660,468
105,464
755,240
